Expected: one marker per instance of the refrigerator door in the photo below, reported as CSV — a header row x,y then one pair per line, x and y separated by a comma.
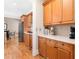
x,y
21,32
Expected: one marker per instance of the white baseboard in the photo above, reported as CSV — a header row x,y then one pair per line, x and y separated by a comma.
x,y
34,53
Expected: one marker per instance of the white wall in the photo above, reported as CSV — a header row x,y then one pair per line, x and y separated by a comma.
x,y
15,8
37,24
12,24
39,21
11,15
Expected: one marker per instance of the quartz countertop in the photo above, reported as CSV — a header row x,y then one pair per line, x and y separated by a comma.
x,y
59,38
27,33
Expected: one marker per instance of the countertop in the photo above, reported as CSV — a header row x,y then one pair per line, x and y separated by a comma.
x,y
27,33
58,38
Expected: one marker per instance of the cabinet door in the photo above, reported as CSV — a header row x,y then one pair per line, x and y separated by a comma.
x,y
30,41
64,54
26,24
68,11
65,50
30,20
26,39
42,46
56,11
47,13
51,49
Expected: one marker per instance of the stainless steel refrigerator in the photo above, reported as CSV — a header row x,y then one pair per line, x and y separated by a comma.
x,y
21,31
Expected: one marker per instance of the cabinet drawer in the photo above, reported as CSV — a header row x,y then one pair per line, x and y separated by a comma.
x,y
65,46
51,42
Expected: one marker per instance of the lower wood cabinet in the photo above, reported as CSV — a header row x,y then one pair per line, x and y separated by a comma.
x,y
52,49
30,41
63,54
65,51
42,46
26,39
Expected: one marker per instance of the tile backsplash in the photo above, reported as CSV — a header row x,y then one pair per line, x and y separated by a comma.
x,y
63,30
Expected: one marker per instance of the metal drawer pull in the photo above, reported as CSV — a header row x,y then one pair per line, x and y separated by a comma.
x,y
55,47
63,44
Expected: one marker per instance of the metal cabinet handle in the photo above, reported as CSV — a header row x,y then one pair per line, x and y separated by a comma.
x,y
63,44
55,47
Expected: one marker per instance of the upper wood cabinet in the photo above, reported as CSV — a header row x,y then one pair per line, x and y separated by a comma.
x,y
58,12
29,16
68,11
27,19
47,13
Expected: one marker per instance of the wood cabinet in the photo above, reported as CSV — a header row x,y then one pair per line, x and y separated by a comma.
x,y
26,25
65,51
30,41
63,54
68,11
42,46
29,22
58,12
27,19
47,13
26,39
51,49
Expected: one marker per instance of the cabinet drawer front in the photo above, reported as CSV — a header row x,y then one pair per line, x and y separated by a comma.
x,y
65,46
51,42
41,39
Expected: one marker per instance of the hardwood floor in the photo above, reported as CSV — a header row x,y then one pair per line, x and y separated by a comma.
x,y
15,50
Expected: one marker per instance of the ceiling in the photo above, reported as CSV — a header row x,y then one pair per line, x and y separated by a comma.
x,y
15,8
